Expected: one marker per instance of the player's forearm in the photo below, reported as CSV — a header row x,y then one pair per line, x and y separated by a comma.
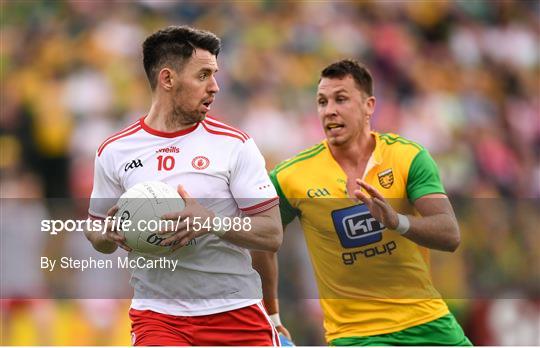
x,y
439,231
100,243
265,262
265,234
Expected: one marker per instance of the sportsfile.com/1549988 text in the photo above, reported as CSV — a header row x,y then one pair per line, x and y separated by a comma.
x,y
196,224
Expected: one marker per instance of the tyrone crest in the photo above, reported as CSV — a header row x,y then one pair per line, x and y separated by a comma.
x,y
200,162
386,178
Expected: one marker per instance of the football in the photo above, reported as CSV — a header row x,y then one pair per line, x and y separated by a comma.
x,y
143,205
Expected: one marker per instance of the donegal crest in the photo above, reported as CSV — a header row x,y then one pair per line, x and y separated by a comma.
x,y
386,178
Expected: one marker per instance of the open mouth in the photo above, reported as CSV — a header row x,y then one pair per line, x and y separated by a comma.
x,y
334,126
206,105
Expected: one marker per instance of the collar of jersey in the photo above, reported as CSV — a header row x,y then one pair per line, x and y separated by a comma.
x,y
162,134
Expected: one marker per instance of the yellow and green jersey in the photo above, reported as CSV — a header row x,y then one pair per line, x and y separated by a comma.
x,y
371,280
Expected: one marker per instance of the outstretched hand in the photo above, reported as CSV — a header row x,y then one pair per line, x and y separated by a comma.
x,y
377,205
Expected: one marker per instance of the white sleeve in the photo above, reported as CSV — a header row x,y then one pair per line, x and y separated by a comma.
x,y
106,190
250,185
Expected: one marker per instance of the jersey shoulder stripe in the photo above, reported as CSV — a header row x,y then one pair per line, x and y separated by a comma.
x,y
300,155
310,150
304,155
134,128
390,139
131,126
213,122
222,131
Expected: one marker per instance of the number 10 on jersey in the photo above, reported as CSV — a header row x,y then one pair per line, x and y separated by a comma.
x,y
165,162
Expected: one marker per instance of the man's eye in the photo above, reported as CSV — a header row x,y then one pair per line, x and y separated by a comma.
x,y
321,102
203,76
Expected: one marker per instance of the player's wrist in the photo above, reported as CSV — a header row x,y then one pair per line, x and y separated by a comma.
x,y
404,224
275,319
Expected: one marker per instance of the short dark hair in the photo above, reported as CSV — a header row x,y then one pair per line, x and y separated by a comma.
x,y
171,46
358,71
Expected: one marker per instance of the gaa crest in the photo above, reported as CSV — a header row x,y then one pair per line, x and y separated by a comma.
x,y
386,178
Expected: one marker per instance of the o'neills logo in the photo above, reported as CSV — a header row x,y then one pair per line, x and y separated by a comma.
x,y
170,149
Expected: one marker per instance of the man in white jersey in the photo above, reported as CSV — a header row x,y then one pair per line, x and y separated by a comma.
x,y
213,298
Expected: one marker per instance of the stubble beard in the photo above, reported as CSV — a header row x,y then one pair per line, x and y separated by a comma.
x,y
181,118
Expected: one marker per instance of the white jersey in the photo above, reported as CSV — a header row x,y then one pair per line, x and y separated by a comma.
x,y
221,167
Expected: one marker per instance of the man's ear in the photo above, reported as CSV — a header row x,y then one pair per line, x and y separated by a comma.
x,y
370,105
165,78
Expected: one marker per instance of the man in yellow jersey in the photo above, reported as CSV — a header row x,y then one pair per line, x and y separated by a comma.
x,y
371,206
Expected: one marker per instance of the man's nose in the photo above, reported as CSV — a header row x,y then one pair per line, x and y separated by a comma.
x,y
330,108
213,85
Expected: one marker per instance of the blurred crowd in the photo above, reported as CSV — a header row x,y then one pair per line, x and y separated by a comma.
x,y
461,78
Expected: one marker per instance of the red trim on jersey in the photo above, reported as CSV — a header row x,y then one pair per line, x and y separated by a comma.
x,y
95,217
167,134
132,131
212,121
118,133
258,208
222,133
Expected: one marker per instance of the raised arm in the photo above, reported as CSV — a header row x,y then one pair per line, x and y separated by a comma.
x,y
436,228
